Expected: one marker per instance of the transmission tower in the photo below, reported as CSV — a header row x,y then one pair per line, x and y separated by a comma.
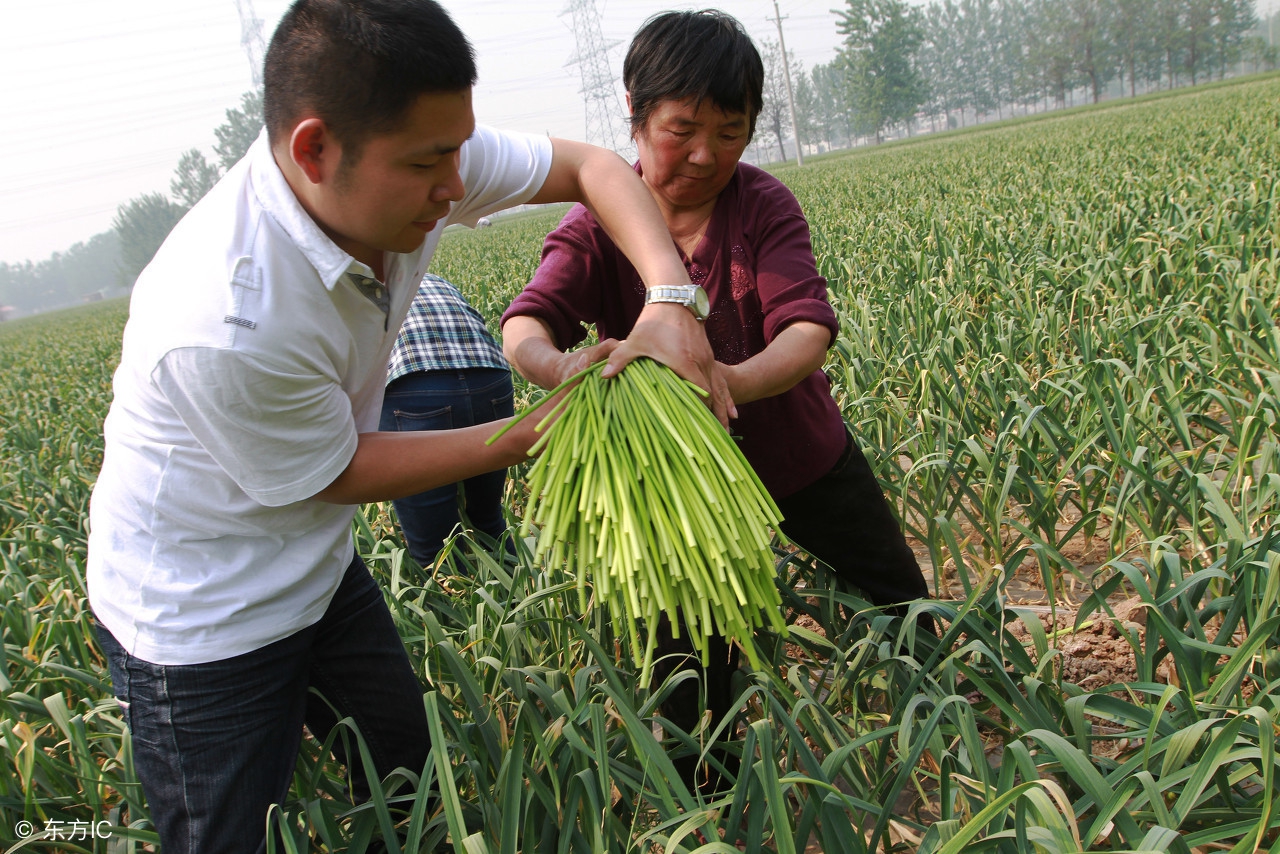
x,y
606,120
251,39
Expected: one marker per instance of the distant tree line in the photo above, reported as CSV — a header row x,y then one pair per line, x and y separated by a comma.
x,y
953,62
113,259
82,272
142,223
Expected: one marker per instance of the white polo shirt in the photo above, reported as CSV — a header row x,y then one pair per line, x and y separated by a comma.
x,y
251,360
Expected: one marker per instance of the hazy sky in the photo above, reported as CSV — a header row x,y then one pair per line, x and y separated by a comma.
x,y
101,97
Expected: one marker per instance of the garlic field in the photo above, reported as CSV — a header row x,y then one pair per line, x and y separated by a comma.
x,y
1060,351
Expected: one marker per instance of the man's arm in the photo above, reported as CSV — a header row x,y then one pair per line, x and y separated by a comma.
x,y
618,199
393,465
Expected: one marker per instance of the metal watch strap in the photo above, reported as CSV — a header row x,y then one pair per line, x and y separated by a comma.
x,y
692,297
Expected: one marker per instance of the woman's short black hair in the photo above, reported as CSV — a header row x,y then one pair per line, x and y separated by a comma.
x,y
360,64
699,55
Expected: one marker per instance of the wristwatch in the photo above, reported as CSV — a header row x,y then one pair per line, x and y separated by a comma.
x,y
691,297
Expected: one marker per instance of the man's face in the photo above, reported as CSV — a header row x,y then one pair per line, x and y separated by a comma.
x,y
401,183
688,153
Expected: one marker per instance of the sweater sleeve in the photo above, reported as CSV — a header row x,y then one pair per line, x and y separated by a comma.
x,y
567,290
790,287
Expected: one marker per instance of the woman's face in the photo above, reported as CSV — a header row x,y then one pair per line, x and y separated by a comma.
x,y
688,153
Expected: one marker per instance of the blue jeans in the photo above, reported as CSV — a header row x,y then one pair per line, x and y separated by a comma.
x,y
444,400
215,744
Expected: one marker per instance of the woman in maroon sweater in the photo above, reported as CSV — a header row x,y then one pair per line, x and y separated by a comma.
x,y
693,84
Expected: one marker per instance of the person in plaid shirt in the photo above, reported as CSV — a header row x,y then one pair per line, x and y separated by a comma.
x,y
447,371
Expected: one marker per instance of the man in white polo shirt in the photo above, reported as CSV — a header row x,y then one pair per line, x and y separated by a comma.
x,y
242,433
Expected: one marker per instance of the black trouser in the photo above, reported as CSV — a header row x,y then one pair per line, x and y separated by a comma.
x,y
844,520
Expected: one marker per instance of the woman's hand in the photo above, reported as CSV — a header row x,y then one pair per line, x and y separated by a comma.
x,y
576,361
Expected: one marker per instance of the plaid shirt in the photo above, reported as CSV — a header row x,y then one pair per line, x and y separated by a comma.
x,y
442,332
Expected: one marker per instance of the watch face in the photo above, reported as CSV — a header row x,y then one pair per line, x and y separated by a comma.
x,y
701,303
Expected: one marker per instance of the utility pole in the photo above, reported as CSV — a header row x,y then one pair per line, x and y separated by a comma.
x,y
786,75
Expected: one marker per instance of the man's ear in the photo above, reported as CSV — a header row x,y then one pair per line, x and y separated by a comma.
x,y
629,110
314,150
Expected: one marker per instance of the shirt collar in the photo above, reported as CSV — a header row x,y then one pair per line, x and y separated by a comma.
x,y
277,200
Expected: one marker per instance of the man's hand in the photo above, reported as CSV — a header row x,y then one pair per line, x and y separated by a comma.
x,y
670,334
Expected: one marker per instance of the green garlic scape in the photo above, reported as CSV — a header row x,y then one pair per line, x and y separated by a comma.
x,y
643,496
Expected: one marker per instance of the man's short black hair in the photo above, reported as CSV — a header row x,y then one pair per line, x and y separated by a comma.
x,y
360,64
699,55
